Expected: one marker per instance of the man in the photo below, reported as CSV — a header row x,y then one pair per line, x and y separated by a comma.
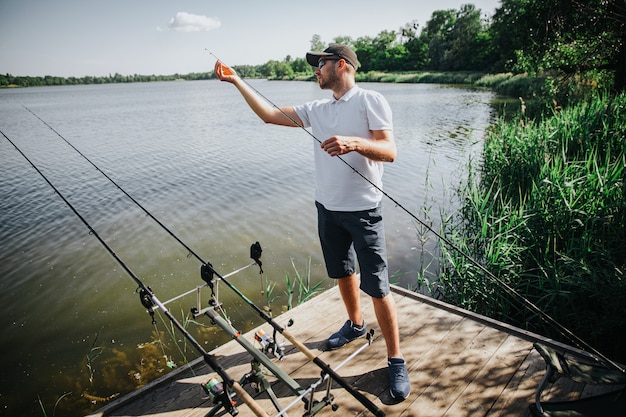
x,y
356,126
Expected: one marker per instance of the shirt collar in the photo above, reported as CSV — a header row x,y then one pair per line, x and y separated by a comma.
x,y
348,94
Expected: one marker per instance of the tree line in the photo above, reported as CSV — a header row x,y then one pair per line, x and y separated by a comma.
x,y
35,81
565,37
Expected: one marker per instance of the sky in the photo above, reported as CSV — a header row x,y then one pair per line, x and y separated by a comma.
x,y
77,38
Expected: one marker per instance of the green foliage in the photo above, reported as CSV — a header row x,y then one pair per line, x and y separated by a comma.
x,y
546,213
94,352
431,77
54,410
303,285
569,37
268,292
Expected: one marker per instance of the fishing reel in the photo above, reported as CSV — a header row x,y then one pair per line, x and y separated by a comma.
x,y
219,396
269,345
145,296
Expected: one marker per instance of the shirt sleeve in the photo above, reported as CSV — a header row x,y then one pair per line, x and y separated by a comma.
x,y
303,114
378,112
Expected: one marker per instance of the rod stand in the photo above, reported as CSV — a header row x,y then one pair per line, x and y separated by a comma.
x,y
258,381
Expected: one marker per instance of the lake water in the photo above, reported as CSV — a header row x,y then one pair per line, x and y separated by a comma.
x,y
193,154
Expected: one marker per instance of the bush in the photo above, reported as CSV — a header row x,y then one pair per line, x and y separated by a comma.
x,y
547,215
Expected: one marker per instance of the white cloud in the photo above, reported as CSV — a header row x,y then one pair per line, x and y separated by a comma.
x,y
187,22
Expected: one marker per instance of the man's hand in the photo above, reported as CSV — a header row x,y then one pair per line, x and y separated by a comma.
x,y
224,73
339,145
381,147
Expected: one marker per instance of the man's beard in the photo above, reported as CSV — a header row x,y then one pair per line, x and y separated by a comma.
x,y
329,81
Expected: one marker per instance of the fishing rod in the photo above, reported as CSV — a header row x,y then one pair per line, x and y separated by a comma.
x,y
208,273
149,300
508,289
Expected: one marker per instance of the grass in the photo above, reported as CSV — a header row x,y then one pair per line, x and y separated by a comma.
x,y
302,285
546,213
43,409
268,291
94,352
432,77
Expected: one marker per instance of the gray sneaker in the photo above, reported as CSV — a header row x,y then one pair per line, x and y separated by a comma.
x,y
345,335
399,384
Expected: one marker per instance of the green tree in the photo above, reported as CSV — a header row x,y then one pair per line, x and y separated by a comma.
x,y
346,40
284,70
436,34
246,71
417,50
300,66
365,51
511,29
317,44
380,52
569,36
466,44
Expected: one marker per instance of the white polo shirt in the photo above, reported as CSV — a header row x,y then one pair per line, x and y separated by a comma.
x,y
359,111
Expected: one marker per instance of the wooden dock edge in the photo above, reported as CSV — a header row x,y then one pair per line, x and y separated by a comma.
x,y
507,328
198,363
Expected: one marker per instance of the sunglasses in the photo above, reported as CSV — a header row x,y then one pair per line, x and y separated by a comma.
x,y
322,62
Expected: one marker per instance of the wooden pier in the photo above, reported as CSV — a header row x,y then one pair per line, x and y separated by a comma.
x,y
460,364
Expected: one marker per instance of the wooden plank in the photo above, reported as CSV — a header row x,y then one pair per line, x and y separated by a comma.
x,y
461,355
486,387
416,324
519,393
420,345
460,364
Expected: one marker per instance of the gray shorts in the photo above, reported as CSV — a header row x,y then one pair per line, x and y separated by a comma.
x,y
350,236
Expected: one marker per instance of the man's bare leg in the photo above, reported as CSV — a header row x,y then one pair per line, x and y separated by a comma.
x,y
351,296
387,317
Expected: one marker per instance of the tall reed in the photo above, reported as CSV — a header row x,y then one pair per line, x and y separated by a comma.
x,y
304,285
546,213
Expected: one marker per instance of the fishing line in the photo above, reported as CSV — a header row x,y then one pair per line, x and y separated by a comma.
x,y
508,289
149,299
207,275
